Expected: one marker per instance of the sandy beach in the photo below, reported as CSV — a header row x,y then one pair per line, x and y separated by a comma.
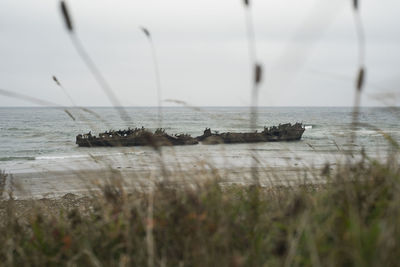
x,y
54,184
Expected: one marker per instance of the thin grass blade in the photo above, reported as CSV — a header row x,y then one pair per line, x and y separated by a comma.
x,y
69,114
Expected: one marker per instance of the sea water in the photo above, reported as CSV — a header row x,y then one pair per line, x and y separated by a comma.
x,y
40,139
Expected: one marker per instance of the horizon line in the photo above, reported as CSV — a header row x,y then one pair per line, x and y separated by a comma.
x,y
179,106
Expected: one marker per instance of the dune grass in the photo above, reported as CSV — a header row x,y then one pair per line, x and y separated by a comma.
x,y
353,220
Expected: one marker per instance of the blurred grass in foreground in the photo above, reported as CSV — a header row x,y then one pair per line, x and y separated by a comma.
x,y
353,220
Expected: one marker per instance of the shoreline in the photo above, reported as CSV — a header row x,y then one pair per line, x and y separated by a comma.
x,y
55,184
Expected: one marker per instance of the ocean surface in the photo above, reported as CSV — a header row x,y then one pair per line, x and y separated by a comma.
x,y
40,139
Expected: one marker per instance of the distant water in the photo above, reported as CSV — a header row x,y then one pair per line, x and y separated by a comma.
x,y
40,138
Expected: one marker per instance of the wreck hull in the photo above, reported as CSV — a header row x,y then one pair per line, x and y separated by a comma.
x,y
142,137
132,141
238,138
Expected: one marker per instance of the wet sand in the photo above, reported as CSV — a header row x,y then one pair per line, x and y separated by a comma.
x,y
54,184
57,176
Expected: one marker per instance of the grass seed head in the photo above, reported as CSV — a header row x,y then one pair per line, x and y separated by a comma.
x,y
360,79
67,17
355,4
145,31
257,73
56,80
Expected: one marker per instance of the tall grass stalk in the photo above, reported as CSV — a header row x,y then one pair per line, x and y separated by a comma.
x,y
157,75
64,90
360,79
91,65
256,69
256,72
36,101
86,110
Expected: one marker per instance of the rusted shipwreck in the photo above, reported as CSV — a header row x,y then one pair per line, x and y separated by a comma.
x,y
282,132
143,137
134,137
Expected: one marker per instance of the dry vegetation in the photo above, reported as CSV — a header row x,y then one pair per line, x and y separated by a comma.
x,y
353,220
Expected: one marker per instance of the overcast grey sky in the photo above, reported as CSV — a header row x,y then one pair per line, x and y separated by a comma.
x,y
308,49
